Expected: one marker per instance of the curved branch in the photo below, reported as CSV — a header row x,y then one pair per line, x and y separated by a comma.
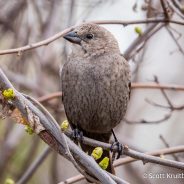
x,y
60,34
50,132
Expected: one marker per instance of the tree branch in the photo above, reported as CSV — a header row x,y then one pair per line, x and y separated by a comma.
x,y
135,154
126,160
151,85
165,8
134,85
47,41
50,132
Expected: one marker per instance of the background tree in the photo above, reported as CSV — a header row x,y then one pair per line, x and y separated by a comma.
x,y
154,49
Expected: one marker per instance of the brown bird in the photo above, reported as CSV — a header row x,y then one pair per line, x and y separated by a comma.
x,y
95,84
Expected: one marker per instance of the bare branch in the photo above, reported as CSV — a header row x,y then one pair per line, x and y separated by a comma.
x,y
143,121
52,134
168,146
164,93
175,40
47,41
135,154
50,96
140,85
165,8
29,172
134,85
126,160
136,45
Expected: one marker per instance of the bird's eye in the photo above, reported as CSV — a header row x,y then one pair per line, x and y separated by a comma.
x,y
89,36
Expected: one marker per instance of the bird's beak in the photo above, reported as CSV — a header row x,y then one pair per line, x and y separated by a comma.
x,y
72,37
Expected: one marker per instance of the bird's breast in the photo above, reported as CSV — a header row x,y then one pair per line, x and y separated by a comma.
x,y
95,95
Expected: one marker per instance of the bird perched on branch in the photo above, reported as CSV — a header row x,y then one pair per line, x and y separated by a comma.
x,y
95,84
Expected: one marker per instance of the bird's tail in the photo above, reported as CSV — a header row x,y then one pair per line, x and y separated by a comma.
x,y
89,149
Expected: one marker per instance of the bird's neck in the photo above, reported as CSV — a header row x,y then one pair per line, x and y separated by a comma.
x,y
93,52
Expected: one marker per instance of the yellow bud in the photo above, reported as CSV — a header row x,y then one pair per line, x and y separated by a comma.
x,y
8,94
29,130
9,181
138,30
97,153
64,125
104,163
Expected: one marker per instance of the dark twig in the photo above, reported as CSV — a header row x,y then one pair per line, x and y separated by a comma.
x,y
175,40
166,116
143,121
164,93
176,9
174,108
168,146
165,8
178,5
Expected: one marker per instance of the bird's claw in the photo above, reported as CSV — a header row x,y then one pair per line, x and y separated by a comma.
x,y
116,147
77,134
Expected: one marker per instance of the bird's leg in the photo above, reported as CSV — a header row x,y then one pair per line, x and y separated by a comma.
x,y
116,145
77,134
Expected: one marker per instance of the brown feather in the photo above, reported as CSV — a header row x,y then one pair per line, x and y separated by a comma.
x,y
95,84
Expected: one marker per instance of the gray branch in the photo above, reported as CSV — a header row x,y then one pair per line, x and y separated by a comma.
x,y
53,136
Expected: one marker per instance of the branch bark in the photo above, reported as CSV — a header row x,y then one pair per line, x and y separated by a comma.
x,y
52,135
47,41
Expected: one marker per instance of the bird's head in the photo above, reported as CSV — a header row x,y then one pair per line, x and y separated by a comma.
x,y
92,39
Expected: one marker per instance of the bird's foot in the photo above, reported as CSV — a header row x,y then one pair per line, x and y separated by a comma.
x,y
116,147
77,135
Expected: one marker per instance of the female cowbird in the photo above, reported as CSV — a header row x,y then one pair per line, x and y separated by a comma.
x,y
95,84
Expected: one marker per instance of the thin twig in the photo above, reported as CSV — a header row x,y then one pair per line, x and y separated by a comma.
x,y
165,8
175,40
134,85
164,151
33,167
168,146
174,108
175,9
149,85
143,121
50,96
164,93
136,45
47,41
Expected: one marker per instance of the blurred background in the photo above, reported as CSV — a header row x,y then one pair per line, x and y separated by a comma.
x,y
157,56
